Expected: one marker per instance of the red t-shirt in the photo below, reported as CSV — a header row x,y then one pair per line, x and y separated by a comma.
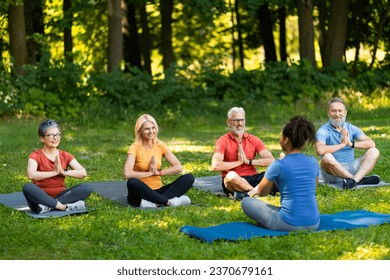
x,y
228,146
55,185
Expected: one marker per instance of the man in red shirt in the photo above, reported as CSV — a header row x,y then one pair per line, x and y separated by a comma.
x,y
235,156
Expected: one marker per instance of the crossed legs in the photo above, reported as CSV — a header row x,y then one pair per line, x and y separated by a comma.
x,y
367,163
234,182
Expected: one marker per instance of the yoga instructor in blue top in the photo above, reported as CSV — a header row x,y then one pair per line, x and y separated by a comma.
x,y
296,176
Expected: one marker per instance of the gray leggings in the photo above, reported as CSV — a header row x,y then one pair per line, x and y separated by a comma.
x,y
35,195
267,216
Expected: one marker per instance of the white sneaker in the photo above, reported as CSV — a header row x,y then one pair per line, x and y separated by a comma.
x,y
182,200
43,209
78,205
147,204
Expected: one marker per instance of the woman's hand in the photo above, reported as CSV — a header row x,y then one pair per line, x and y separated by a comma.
x,y
153,166
58,167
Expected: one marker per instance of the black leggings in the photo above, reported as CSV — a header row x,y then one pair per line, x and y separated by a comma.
x,y
138,190
35,195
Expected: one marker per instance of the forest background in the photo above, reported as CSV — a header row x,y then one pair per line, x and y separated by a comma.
x,y
98,59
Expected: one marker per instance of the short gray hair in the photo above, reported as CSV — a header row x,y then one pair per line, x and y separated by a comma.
x,y
239,110
45,126
337,99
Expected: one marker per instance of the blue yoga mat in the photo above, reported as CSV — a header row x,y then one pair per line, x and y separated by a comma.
x,y
235,231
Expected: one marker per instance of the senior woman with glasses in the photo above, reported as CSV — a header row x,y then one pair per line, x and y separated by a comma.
x,y
47,168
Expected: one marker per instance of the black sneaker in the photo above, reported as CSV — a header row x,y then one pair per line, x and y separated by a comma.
x,y
240,195
370,180
349,184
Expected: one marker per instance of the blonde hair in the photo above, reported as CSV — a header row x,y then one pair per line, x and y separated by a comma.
x,y
140,122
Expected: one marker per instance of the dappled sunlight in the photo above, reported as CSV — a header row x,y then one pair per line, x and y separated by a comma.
x,y
367,252
190,148
274,149
381,206
21,177
225,208
199,167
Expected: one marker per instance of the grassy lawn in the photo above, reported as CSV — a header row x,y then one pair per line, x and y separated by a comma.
x,y
114,232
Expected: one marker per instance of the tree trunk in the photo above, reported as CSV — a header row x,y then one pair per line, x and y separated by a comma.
x,y
68,22
33,18
282,33
114,35
17,37
131,50
384,16
145,42
337,31
306,30
233,36
239,40
357,14
264,17
323,17
166,9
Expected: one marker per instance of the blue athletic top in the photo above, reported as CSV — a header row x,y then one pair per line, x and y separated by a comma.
x,y
331,136
295,176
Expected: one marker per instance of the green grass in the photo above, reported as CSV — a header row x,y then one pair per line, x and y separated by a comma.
x,y
114,232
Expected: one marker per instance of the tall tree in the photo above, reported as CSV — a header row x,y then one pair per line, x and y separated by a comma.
x,y
166,10
115,40
239,33
17,36
306,30
266,32
233,23
282,33
131,50
322,26
33,15
145,41
68,22
383,10
337,31
357,14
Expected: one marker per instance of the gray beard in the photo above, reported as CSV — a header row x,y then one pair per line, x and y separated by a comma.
x,y
339,123
237,132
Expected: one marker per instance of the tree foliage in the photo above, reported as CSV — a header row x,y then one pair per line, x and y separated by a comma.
x,y
205,50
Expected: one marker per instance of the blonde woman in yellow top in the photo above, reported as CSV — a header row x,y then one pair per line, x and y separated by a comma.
x,y
143,169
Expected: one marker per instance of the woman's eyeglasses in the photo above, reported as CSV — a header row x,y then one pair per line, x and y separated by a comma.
x,y
53,136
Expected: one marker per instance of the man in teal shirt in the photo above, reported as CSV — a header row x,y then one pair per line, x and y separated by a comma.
x,y
336,142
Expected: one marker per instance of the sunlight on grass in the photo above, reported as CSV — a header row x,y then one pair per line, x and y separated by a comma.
x,y
366,252
380,206
194,167
190,148
161,224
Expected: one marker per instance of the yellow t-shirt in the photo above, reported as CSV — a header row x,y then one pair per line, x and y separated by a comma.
x,y
142,161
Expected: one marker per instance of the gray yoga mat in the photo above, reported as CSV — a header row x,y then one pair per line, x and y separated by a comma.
x,y
340,185
213,184
117,191
18,202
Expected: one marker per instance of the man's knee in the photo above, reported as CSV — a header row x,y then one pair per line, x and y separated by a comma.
x,y
373,153
231,177
328,161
